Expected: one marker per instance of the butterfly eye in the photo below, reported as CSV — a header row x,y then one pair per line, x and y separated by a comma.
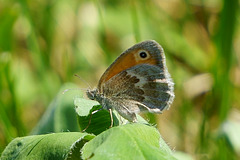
x,y
143,54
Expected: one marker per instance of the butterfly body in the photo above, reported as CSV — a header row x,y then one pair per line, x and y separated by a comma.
x,y
137,81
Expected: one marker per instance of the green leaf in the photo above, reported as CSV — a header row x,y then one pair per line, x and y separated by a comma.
x,y
99,121
77,146
49,146
83,106
60,115
95,123
130,141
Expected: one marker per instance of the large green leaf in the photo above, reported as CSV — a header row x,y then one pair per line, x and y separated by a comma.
x,y
49,146
130,141
75,153
60,115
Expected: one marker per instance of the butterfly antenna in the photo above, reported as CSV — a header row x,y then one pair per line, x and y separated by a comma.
x,y
66,90
83,80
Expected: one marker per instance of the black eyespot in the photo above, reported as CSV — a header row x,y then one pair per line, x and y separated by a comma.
x,y
143,54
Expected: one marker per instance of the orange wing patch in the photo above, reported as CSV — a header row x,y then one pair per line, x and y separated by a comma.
x,y
125,61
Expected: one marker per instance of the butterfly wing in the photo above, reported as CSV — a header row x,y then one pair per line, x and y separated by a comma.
x,y
131,58
140,88
137,81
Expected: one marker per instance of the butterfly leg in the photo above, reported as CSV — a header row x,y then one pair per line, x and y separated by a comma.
x,y
89,122
110,112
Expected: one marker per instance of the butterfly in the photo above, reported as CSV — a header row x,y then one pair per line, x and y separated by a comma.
x,y
137,81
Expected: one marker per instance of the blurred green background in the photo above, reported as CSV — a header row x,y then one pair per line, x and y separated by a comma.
x,y
44,43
